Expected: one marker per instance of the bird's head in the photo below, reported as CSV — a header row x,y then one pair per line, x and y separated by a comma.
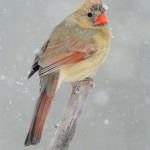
x,y
91,15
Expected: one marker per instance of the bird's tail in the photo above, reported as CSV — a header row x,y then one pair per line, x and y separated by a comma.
x,y
48,89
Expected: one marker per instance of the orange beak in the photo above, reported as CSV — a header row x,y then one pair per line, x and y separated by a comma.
x,y
102,20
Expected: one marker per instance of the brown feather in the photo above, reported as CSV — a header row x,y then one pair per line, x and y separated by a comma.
x,y
49,86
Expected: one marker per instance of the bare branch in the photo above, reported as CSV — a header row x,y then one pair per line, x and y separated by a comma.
x,y
68,124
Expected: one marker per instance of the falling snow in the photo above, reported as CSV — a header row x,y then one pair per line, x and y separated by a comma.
x,y
101,98
116,115
2,77
106,122
36,50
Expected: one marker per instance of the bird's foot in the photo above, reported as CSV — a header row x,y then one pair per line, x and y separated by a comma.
x,y
76,85
89,81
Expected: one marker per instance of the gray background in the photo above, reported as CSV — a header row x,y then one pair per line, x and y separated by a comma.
x,y
116,115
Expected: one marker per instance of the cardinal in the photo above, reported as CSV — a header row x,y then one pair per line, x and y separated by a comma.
x,y
74,51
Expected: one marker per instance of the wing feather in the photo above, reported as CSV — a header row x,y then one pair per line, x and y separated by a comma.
x,y
67,45
74,58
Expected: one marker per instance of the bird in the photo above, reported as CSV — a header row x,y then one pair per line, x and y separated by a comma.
x,y
74,51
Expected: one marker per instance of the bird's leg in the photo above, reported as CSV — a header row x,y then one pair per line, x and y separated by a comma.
x,y
76,85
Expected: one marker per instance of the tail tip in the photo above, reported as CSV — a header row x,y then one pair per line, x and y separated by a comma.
x,y
30,74
29,141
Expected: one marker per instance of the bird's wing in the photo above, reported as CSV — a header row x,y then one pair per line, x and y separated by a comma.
x,y
35,66
68,46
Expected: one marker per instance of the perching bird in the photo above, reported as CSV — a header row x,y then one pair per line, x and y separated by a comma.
x,y
75,50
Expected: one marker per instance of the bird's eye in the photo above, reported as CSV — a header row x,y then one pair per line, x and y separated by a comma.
x,y
89,14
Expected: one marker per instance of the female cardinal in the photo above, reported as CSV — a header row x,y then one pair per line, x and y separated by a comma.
x,y
74,51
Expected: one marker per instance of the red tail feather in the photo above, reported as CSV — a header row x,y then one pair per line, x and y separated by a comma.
x,y
41,112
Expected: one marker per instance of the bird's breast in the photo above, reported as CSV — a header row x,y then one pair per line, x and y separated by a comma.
x,y
89,66
85,68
